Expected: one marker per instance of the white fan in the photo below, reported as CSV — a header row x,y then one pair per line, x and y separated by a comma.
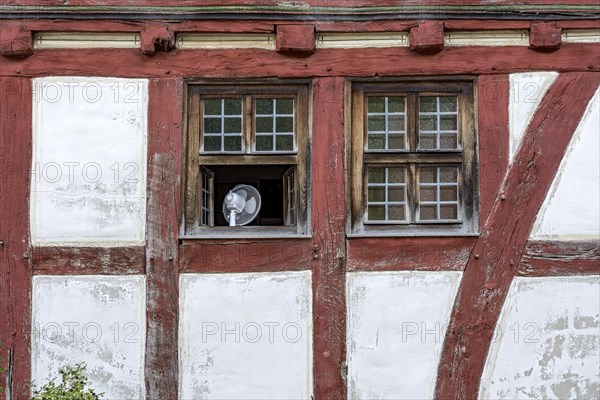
x,y
241,205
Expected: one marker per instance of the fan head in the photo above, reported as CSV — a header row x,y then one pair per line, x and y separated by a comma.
x,y
243,201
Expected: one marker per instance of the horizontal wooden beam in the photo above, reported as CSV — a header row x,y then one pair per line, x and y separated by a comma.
x,y
225,63
554,258
88,260
409,254
269,255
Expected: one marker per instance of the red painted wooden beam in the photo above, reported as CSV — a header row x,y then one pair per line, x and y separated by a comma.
x,y
162,258
545,36
329,300
15,258
492,116
554,258
496,255
409,254
295,39
156,37
264,255
88,260
427,37
16,40
323,63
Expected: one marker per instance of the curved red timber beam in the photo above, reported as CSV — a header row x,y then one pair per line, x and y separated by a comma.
x,y
495,258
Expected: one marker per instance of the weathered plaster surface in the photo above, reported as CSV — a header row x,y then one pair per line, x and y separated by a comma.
x,y
396,327
572,207
547,342
99,320
526,93
88,183
245,336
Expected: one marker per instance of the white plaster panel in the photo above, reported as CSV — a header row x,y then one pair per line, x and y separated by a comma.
x,y
88,182
547,341
245,336
396,323
98,320
526,93
571,209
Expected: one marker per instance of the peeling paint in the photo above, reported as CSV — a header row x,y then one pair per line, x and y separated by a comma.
x,y
99,320
396,324
544,349
85,190
245,336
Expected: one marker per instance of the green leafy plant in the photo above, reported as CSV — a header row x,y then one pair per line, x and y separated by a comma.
x,y
72,387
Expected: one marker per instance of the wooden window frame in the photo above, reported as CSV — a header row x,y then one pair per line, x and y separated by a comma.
x,y
359,158
195,160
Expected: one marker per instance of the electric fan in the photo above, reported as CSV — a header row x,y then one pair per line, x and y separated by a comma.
x,y
241,205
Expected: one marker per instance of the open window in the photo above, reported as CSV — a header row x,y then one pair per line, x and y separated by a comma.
x,y
414,158
247,134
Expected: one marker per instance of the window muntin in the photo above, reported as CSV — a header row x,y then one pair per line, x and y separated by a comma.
x,y
274,119
438,194
437,154
235,131
386,127
386,194
222,125
438,122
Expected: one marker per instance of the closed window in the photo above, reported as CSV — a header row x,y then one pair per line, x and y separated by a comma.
x,y
414,158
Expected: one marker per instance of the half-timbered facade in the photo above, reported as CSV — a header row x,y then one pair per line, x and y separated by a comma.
x,y
429,179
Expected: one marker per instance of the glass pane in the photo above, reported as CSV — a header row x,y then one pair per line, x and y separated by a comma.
x,y
212,107
284,142
264,106
428,123
264,143
376,104
376,123
285,106
448,141
427,142
396,123
448,174
428,193
448,103
428,213
264,124
376,175
395,104
212,125
448,193
375,142
212,143
395,142
448,212
376,213
396,193
428,175
395,175
427,104
396,212
448,122
376,194
233,106
285,124
233,143
233,125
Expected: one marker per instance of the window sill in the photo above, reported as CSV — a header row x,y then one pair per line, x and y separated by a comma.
x,y
246,232
410,234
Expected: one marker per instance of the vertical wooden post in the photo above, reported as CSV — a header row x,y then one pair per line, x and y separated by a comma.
x,y
15,254
162,262
328,213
